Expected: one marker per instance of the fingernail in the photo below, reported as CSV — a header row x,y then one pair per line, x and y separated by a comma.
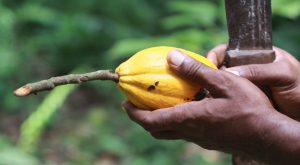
x,y
175,57
233,72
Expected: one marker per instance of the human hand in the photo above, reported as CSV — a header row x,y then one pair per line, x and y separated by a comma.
x,y
228,121
282,77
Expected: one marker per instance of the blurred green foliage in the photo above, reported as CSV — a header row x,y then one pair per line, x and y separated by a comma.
x,y
40,39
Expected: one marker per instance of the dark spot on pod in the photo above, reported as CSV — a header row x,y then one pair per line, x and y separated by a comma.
x,y
151,88
187,99
200,95
156,83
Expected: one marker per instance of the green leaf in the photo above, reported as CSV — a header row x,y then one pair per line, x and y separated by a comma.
x,y
33,127
14,156
128,47
190,13
286,8
38,14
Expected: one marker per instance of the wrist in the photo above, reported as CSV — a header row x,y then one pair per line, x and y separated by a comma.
x,y
278,138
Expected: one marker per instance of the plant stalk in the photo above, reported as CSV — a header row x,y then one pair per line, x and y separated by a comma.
x,y
66,79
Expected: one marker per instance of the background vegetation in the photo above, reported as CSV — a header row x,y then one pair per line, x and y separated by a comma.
x,y
85,125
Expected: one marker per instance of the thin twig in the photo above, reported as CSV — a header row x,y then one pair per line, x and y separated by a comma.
x,y
67,79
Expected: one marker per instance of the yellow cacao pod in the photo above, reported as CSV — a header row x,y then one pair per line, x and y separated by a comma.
x,y
149,83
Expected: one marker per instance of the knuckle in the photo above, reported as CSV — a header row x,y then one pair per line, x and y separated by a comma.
x,y
142,119
189,116
223,83
192,69
147,119
251,71
180,115
289,72
133,117
147,123
286,73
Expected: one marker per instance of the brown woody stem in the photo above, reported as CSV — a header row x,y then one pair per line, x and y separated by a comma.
x,y
67,79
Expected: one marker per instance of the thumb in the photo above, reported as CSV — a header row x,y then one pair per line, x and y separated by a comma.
x,y
191,69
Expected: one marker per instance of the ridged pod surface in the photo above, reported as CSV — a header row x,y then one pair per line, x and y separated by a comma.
x,y
149,83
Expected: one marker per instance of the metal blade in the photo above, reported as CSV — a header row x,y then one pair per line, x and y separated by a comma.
x,y
250,32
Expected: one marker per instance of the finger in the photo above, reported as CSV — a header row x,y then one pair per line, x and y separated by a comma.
x,y
278,73
196,71
281,54
272,73
134,113
169,119
167,135
212,56
177,122
158,120
217,54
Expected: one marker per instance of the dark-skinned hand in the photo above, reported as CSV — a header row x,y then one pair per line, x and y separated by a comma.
x,y
282,77
237,118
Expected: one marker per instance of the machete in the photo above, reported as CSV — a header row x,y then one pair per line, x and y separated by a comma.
x,y
249,25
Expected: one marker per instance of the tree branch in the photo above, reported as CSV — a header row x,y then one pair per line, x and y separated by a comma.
x,y
67,79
